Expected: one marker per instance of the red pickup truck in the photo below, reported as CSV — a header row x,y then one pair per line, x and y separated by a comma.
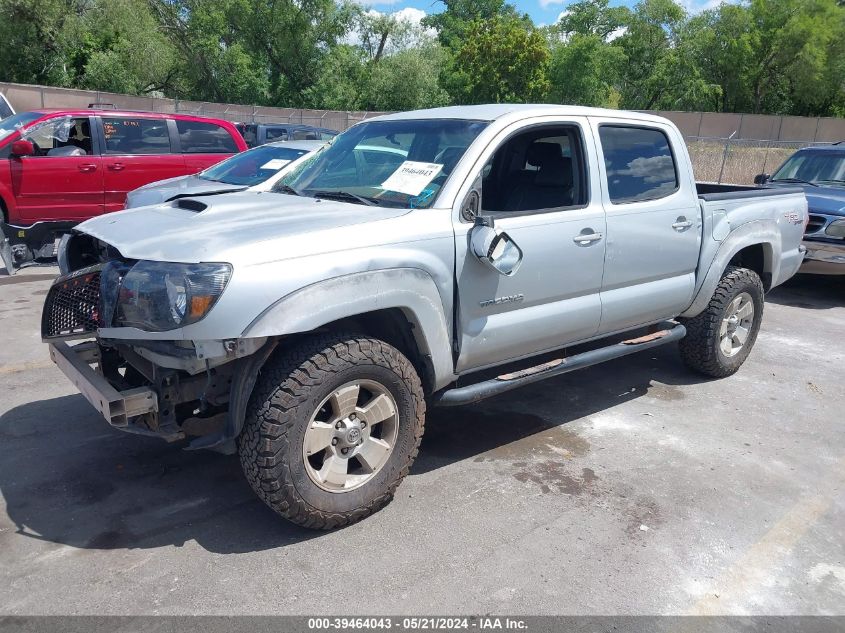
x,y
59,167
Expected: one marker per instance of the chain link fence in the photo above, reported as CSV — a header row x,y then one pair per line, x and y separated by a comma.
x,y
737,161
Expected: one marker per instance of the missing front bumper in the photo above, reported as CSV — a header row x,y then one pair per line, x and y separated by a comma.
x,y
121,409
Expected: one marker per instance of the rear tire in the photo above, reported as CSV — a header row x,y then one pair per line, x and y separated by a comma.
x,y
720,338
331,429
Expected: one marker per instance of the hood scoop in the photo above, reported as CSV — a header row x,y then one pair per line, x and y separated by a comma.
x,y
189,204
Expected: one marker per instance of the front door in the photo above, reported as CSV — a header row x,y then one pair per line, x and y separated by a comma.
x,y
653,225
536,185
63,181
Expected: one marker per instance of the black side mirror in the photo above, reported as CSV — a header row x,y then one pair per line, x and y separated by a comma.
x,y
762,179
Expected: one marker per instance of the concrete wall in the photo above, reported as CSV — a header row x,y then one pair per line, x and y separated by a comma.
x,y
758,127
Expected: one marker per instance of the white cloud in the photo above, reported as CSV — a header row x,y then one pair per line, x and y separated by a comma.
x,y
379,2
697,6
409,15
616,33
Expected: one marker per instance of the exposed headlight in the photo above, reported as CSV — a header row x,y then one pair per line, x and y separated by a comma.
x,y
836,229
159,296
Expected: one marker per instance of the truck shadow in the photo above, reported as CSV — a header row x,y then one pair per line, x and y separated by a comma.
x,y
813,292
514,422
68,478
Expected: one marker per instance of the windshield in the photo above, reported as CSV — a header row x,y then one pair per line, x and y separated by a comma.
x,y
389,163
821,167
10,125
253,166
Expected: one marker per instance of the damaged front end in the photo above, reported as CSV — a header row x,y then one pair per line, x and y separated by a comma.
x,y
172,389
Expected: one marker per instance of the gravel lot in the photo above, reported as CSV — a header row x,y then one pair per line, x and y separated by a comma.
x,y
630,488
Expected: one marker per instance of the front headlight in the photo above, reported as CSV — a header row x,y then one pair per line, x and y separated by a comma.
x,y
159,296
836,229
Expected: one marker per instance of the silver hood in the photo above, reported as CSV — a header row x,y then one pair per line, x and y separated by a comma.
x,y
179,187
210,228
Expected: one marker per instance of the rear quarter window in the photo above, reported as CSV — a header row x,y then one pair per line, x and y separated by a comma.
x,y
639,163
201,137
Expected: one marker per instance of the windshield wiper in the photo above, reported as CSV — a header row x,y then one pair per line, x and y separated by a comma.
x,y
282,188
804,182
837,181
343,196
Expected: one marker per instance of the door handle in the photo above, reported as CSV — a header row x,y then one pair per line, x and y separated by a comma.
x,y
587,238
87,167
117,166
681,224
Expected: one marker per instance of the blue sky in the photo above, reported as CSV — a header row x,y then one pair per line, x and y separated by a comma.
x,y
541,11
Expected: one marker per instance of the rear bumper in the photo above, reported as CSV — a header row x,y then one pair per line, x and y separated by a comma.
x,y
824,258
119,408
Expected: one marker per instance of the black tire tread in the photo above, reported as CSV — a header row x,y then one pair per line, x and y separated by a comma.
x,y
697,349
282,386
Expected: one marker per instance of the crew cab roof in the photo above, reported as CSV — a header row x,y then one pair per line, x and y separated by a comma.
x,y
495,111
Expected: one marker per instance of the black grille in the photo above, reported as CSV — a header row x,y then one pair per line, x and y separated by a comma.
x,y
72,305
816,223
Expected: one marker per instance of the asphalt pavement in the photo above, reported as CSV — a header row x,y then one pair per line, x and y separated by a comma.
x,y
634,487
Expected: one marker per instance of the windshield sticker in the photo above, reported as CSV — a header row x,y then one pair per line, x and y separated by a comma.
x,y
411,177
275,164
422,200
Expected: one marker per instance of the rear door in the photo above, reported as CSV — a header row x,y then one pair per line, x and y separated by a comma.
x,y
204,144
653,223
137,151
63,181
537,184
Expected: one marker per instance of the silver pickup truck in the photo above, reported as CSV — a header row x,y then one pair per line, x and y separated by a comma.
x,y
429,258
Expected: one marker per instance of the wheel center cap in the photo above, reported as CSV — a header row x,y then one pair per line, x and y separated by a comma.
x,y
353,435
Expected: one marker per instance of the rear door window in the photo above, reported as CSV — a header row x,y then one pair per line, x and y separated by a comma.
x,y
276,134
124,135
305,135
201,137
639,163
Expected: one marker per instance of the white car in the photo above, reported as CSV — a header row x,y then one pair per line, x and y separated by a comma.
x,y
257,169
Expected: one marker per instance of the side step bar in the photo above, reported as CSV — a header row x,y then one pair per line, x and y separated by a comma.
x,y
668,333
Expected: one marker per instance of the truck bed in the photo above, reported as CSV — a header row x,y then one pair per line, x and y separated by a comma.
x,y
712,192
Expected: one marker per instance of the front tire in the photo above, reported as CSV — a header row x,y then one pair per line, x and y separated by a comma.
x,y
720,338
331,429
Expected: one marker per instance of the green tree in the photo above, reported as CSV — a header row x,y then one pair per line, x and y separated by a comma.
x,y
407,80
722,46
117,47
216,64
502,61
593,17
585,70
650,45
35,36
453,24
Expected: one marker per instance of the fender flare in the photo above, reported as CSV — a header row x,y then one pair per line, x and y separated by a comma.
x,y
762,232
411,290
